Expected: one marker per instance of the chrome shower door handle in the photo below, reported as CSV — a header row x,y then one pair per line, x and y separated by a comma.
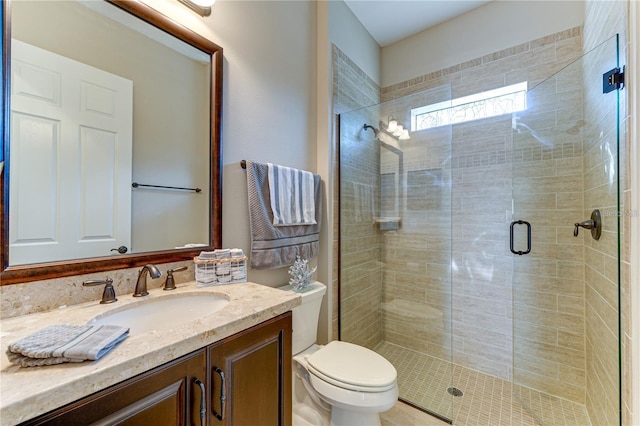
x,y
511,237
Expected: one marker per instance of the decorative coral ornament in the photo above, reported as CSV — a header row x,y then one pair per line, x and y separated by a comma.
x,y
300,274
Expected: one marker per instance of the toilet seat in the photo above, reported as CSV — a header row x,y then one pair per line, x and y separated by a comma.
x,y
353,367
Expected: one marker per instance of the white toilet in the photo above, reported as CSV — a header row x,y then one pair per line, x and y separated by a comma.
x,y
338,384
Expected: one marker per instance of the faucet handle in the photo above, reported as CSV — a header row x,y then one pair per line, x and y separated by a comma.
x,y
169,283
109,293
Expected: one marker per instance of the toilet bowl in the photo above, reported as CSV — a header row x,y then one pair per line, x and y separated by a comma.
x,y
343,383
355,382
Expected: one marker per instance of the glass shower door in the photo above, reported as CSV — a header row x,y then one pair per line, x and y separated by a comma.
x,y
565,275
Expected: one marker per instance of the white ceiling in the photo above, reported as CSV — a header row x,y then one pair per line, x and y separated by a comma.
x,y
389,21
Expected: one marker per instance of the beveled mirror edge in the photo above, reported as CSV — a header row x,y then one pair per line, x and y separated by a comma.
x,y
43,271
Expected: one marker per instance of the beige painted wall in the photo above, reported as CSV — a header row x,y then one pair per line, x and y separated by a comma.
x,y
489,28
346,32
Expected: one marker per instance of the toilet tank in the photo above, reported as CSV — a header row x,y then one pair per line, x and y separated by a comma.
x,y
306,316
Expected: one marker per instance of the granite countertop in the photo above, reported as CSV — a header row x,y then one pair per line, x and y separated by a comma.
x,y
28,392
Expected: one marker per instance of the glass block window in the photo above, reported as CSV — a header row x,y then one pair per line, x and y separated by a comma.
x,y
491,103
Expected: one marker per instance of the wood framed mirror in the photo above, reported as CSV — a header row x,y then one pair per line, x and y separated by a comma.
x,y
208,162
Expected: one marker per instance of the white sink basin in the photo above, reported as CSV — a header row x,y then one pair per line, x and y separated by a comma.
x,y
162,313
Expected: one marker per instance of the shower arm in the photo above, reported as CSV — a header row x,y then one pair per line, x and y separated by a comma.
x,y
368,126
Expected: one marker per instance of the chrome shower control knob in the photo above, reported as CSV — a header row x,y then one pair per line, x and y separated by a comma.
x,y
594,224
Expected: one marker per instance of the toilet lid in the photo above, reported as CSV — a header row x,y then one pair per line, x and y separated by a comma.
x,y
352,366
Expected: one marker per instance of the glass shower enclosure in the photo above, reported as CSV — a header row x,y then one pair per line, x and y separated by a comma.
x,y
468,255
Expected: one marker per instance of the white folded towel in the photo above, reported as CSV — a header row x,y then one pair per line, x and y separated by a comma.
x,y
207,255
207,281
66,343
238,275
209,273
222,253
224,278
292,196
223,269
236,252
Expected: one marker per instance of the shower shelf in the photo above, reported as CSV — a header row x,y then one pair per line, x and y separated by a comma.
x,y
388,223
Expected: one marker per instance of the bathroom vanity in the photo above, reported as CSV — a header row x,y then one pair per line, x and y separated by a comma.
x,y
230,367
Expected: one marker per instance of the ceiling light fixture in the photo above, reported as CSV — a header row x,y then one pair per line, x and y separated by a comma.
x,y
201,7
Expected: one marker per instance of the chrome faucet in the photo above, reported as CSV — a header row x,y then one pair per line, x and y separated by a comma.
x,y
141,284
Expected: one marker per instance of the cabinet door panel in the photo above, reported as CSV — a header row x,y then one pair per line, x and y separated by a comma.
x,y
256,365
161,407
162,396
255,386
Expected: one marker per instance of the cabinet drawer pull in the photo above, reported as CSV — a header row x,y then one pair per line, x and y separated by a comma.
x,y
220,416
203,399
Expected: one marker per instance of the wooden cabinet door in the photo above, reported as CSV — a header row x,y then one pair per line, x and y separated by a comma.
x,y
250,376
167,395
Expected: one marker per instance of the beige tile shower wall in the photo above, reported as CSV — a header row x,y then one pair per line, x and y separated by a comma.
x,y
533,62
417,256
360,241
481,265
417,308
601,263
360,279
602,21
481,199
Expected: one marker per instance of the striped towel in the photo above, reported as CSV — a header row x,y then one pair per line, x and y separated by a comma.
x,y
277,246
66,343
292,196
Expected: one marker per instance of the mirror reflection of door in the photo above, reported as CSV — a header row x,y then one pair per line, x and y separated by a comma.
x,y
71,152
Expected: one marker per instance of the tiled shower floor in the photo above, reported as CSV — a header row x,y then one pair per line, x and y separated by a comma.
x,y
487,400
